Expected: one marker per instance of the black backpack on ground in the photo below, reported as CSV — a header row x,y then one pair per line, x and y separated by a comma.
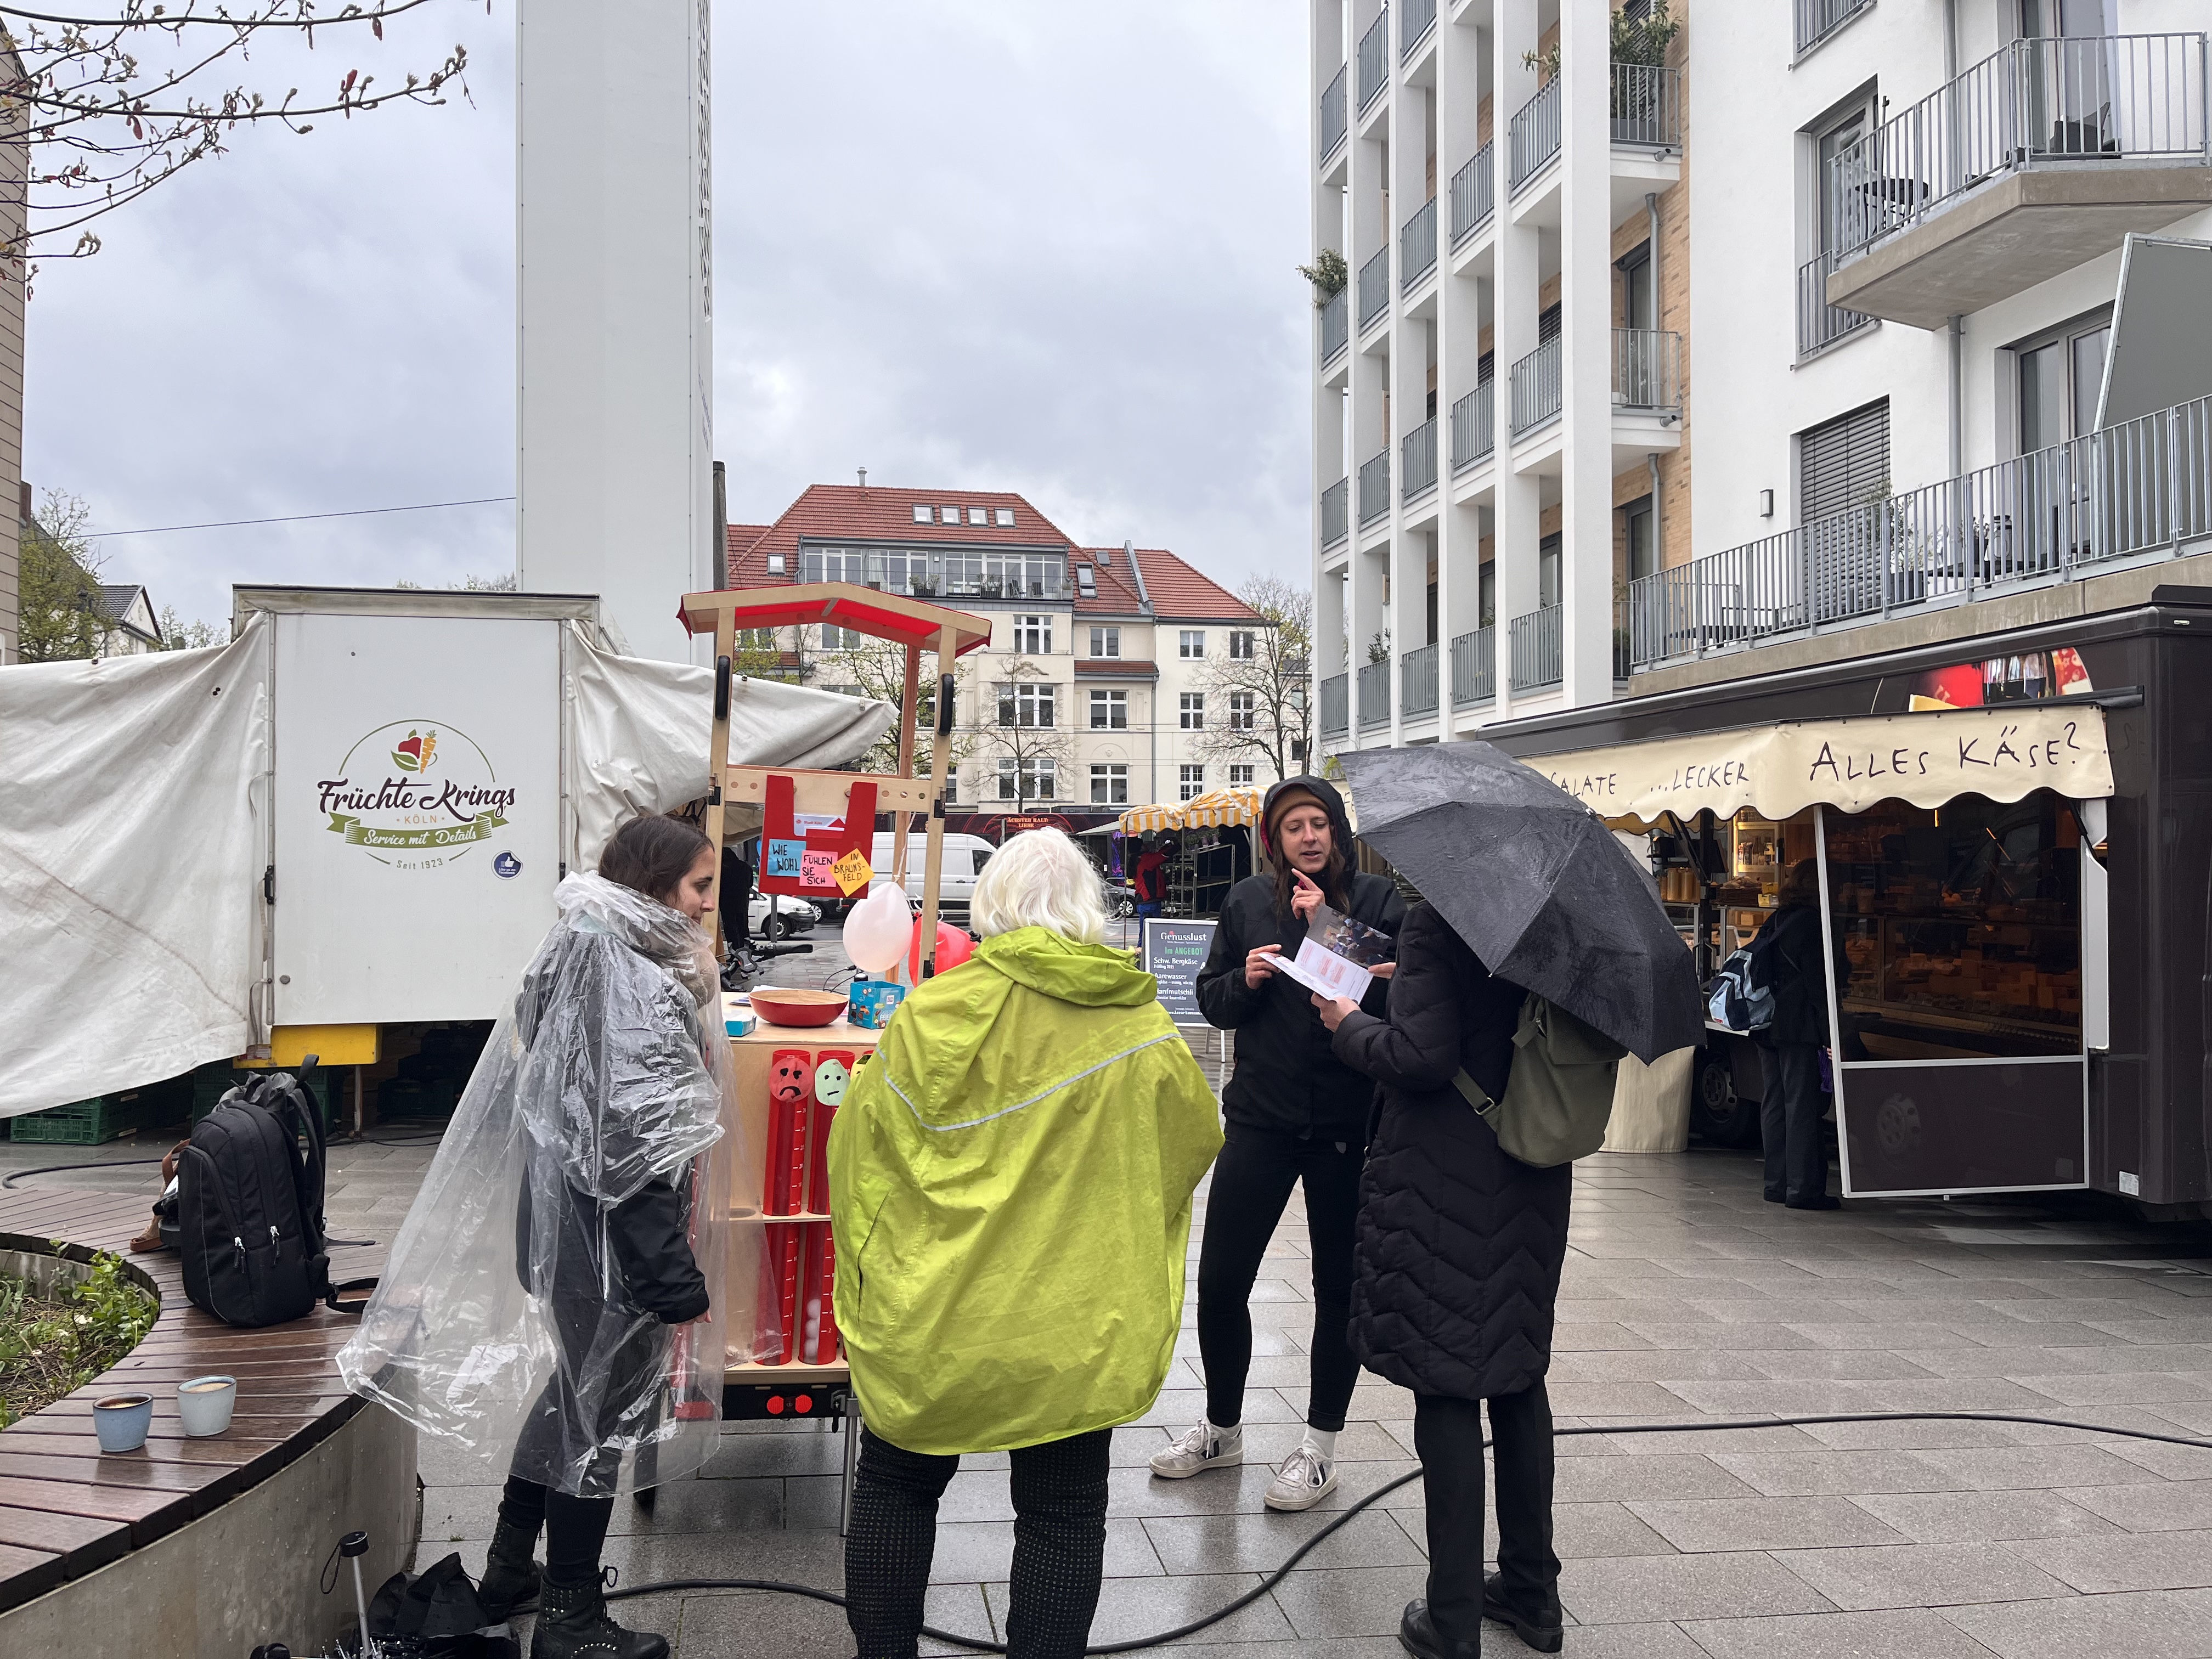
x,y
250,1206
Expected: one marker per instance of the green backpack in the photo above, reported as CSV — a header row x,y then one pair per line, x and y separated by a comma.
x,y
1559,1096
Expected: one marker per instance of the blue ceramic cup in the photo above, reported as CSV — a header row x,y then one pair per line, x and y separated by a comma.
x,y
121,1421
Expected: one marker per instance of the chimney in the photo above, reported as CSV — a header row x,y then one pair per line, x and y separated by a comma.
x,y
864,481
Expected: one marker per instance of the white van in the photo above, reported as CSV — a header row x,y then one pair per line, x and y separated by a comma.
x,y
964,857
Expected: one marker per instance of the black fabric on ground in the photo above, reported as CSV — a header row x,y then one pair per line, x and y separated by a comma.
x,y
1059,1545
1448,1437
1252,1182
575,1527
1790,1110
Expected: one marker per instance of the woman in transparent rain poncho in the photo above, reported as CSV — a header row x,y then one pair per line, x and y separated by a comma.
x,y
555,1295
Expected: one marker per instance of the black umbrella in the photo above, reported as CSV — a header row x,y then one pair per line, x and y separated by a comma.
x,y
1533,881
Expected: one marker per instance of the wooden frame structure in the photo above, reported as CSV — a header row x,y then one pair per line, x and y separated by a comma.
x,y
914,624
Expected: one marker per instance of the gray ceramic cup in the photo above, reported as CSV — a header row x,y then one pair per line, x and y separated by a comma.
x,y
121,1421
205,1404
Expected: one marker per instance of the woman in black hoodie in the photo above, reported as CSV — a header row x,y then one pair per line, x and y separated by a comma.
x,y
1295,1114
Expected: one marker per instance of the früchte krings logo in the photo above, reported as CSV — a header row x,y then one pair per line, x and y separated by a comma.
x,y
429,794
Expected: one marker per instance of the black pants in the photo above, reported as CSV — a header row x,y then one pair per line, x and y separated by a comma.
x,y
1252,1182
1059,1545
1790,1112
1448,1435
575,1527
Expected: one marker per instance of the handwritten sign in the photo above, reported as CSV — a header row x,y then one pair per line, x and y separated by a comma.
x,y
1924,759
852,873
785,858
815,869
1173,951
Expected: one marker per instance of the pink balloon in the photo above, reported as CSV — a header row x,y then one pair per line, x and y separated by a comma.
x,y
876,931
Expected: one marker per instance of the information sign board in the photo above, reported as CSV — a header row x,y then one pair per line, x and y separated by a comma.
x,y
1174,952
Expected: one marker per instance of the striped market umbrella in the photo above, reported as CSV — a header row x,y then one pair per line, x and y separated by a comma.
x,y
1150,820
1222,809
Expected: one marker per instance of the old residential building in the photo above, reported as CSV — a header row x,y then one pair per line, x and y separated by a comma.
x,y
1111,679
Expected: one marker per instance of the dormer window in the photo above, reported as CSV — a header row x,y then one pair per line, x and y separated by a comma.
x,y
976,515
948,515
1105,558
922,515
1005,517
1086,584
776,564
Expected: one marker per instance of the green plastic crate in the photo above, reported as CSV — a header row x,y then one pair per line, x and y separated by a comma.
x,y
211,1083
80,1123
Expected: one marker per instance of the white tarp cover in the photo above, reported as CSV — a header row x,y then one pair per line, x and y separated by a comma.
x,y
130,861
1924,759
131,846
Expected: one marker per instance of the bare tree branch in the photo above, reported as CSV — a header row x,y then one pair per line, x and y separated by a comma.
x,y
1262,698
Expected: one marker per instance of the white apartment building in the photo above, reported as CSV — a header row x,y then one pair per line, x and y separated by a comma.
x,y
1116,677
1893,274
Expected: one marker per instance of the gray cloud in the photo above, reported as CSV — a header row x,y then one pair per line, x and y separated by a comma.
x,y
1044,248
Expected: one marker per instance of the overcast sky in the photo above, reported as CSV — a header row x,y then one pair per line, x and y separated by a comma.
x,y
1045,248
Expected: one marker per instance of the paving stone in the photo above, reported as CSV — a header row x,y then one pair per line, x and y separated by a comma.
x,y
1260,1543
1919,1575
2161,1560
1350,1602
2170,1506
1837,1473
1666,1586
1619,1480
1132,1607
2032,1469
2148,1625
1902,1633
1978,1517
1905,1336
1763,1524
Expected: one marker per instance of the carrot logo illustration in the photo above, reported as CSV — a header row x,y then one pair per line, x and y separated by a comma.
x,y
415,755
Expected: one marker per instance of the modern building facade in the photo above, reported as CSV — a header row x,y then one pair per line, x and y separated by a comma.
x,y
1894,275
1116,675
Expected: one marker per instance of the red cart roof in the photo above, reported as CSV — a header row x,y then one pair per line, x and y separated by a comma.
x,y
844,605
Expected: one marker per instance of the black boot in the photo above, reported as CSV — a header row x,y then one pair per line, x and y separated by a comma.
x,y
510,1577
1541,1627
572,1624
1419,1635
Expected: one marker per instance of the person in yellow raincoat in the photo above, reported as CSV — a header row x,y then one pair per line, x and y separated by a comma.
x,y
1011,1179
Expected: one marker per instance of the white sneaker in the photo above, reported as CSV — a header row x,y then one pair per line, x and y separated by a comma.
x,y
1304,1479
1200,1448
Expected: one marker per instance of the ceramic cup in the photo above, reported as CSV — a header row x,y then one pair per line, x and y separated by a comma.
x,y
205,1404
121,1421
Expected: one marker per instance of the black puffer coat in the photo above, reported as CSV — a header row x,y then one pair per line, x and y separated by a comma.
x,y
1790,943
1460,1246
1287,1078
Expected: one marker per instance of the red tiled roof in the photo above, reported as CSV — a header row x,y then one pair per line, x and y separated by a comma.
x,y
1114,668
879,514
1178,593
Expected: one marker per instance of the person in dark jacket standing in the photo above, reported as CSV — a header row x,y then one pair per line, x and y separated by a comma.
x,y
1791,1106
1456,1278
1296,1114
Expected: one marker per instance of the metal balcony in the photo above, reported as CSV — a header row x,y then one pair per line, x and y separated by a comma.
x,y
1532,139
1375,60
1417,465
1336,705
1647,105
1333,501
1818,323
1374,489
1374,694
1538,648
1375,287
2075,140
2131,491
1474,426
1334,119
1417,681
1335,325
1537,387
1473,190
1414,22
1647,369
1474,668
1417,246
1819,19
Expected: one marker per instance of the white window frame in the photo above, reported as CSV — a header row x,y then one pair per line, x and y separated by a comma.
x,y
1241,774
1191,711
1105,642
1028,704
1191,645
1243,645
1243,711
1190,781
1032,634
1105,706
1110,783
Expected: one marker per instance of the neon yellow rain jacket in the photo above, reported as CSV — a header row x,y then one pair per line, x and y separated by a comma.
x,y
1011,1178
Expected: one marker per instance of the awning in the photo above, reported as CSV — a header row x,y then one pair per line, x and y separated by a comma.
x,y
1925,759
1150,820
1222,809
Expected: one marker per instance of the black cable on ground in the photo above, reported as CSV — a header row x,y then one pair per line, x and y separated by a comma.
x,y
670,1585
97,1163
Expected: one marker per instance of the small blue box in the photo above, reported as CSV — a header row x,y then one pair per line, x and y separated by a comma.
x,y
874,1002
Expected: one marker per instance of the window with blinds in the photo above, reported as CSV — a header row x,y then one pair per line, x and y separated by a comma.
x,y
1843,463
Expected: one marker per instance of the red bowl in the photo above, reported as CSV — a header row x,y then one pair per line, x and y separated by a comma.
x,y
795,1008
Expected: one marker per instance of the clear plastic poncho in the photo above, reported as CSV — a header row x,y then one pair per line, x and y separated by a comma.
x,y
580,1194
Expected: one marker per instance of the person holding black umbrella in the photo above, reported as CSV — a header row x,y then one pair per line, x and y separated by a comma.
x,y
1296,1114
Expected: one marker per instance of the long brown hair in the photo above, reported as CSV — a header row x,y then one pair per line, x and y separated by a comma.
x,y
1335,883
653,854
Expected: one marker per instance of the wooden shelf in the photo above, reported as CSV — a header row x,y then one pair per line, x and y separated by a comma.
x,y
799,1215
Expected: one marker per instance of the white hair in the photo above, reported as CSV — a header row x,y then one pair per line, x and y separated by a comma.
x,y
1039,878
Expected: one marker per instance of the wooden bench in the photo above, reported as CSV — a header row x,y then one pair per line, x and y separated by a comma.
x,y
65,1508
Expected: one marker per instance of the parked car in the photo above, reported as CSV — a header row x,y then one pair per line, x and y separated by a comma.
x,y
791,915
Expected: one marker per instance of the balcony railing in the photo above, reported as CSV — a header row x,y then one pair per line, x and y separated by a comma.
x,y
1819,19
1538,641
1416,18
2130,490
1374,489
2029,104
1819,323
1473,190
1417,681
1537,387
1417,246
1647,368
1474,426
1334,500
1374,694
1532,139
1335,325
1647,105
1334,120
1416,466
1375,287
1474,668
1336,705
1375,60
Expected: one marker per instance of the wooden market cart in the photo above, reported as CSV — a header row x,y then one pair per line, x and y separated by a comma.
x,y
809,815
